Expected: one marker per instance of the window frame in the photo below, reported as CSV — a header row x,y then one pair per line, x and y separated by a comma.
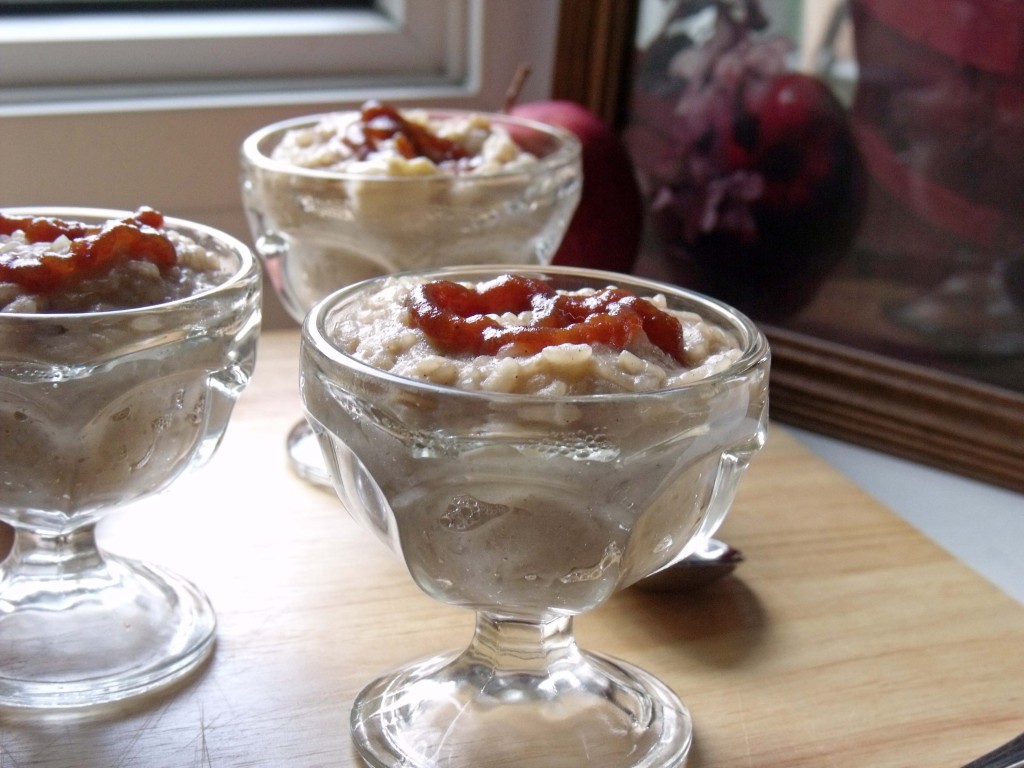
x,y
51,61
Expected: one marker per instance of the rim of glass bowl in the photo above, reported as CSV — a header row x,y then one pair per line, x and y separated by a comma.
x,y
569,151
755,351
248,264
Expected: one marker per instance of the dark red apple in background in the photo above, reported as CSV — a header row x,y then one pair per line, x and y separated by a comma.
x,y
606,230
797,138
754,181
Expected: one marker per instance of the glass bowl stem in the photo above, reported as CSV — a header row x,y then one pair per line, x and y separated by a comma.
x,y
522,692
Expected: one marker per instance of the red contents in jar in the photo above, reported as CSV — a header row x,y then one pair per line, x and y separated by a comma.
x,y
93,248
454,317
379,122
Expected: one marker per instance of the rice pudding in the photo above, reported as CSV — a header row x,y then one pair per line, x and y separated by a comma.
x,y
409,329
123,344
50,265
381,140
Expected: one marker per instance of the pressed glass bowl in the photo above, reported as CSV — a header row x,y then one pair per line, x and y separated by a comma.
x,y
97,410
529,510
317,231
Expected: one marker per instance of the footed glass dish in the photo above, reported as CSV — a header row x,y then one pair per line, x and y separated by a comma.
x,y
317,230
99,409
530,509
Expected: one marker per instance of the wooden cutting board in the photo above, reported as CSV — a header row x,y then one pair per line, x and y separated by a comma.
x,y
844,639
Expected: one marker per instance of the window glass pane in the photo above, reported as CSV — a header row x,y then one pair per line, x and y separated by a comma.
x,y
11,7
66,59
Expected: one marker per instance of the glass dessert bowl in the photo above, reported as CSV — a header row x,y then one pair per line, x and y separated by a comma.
x,y
327,209
111,386
528,486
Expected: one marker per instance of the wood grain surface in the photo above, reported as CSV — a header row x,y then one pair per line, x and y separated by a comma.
x,y
844,639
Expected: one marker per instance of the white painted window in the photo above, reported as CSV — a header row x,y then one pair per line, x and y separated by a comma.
x,y
103,93
258,54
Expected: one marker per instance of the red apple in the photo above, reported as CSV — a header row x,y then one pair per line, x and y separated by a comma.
x,y
798,138
606,229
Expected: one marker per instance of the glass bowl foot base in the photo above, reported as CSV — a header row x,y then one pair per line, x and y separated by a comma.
x,y
449,711
305,457
120,629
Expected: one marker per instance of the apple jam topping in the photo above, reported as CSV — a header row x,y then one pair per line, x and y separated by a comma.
x,y
379,122
84,251
514,333
458,319
382,140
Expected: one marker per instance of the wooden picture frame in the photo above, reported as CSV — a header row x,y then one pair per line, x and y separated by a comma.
x,y
910,410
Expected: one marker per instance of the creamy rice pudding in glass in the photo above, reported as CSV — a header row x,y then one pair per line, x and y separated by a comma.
x,y
125,339
336,198
529,444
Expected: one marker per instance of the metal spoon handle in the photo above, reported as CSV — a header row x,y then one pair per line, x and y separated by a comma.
x,y
1009,755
